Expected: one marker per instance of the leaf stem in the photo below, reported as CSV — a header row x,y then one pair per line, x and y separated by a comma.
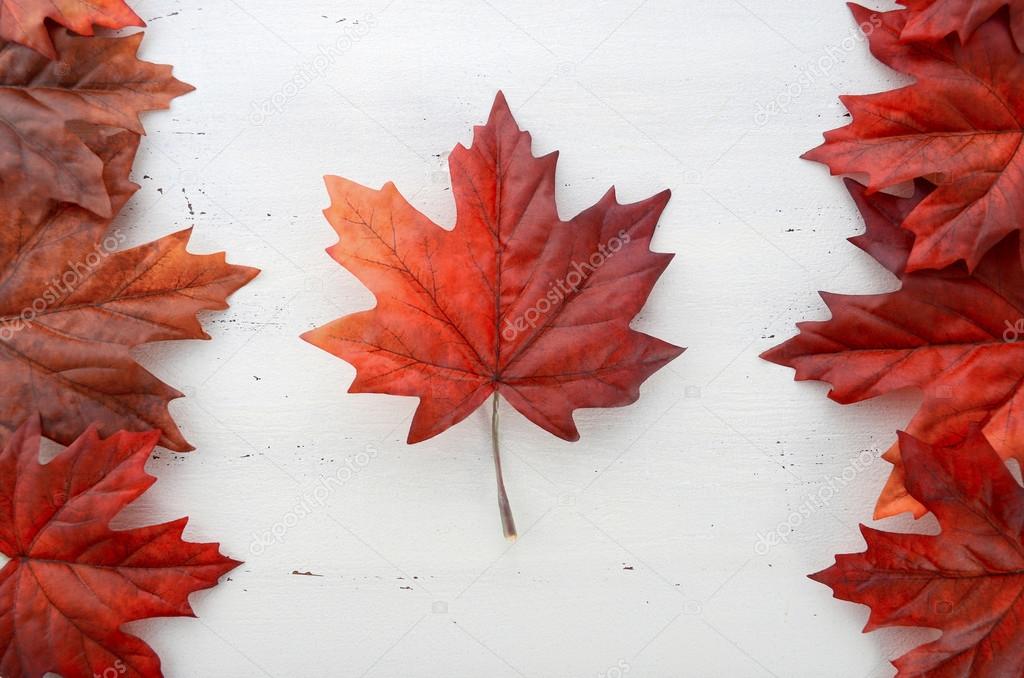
x,y
508,524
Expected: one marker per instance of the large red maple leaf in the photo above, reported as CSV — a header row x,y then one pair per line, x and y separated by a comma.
x,y
513,300
73,582
73,305
935,19
960,125
47,106
967,581
956,336
24,21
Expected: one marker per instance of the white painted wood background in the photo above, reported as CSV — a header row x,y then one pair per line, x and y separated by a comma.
x,y
639,555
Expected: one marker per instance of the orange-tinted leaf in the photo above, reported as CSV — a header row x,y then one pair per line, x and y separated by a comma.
x,y
933,20
513,300
967,581
72,305
45,105
958,126
72,582
957,337
24,21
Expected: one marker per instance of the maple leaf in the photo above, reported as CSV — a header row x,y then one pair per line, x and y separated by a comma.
x,y
24,21
512,301
967,581
952,334
72,582
933,20
72,306
45,105
960,126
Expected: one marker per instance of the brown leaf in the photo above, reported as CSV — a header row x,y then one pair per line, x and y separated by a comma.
x,y
24,21
72,306
45,105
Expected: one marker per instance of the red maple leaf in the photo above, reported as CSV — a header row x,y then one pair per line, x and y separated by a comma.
x,y
952,334
933,20
24,21
47,107
73,305
967,581
72,582
960,126
512,301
